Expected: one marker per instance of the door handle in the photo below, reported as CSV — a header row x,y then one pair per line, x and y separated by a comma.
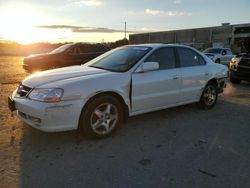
x,y
207,73
175,77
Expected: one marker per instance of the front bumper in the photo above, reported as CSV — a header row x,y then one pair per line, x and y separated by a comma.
x,y
241,74
11,104
222,83
48,117
26,67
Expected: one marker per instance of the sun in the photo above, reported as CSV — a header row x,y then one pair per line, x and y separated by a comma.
x,y
20,25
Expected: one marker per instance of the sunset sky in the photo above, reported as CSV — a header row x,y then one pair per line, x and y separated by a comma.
x,y
53,21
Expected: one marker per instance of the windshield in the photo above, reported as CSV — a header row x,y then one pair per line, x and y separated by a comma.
x,y
120,59
61,49
213,50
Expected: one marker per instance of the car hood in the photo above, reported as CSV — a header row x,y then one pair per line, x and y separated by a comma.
x,y
247,55
37,56
45,77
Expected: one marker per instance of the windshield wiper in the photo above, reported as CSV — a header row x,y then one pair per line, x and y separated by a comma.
x,y
101,68
97,67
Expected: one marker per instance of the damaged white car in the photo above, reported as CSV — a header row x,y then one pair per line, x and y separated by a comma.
x,y
126,81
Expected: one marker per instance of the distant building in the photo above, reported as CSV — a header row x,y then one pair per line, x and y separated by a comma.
x,y
226,35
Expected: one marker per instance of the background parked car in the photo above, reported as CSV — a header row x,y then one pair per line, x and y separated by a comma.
x,y
240,65
66,55
219,55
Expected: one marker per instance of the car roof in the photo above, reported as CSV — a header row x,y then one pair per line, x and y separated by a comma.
x,y
105,47
158,45
86,43
218,48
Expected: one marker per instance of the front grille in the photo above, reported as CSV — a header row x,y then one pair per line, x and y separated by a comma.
x,y
23,90
245,62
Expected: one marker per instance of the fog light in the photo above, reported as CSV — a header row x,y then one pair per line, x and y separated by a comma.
x,y
34,119
23,115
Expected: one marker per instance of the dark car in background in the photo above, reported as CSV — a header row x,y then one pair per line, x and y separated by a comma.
x,y
66,55
240,65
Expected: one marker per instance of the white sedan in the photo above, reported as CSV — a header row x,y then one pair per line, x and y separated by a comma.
x,y
130,80
219,55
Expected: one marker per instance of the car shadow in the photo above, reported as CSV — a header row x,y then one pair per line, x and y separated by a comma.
x,y
166,147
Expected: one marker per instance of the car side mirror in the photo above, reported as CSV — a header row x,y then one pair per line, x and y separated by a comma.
x,y
223,53
147,66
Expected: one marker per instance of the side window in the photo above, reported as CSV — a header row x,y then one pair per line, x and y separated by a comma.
x,y
164,56
229,52
77,50
101,48
188,57
83,49
92,48
74,51
89,48
201,60
223,52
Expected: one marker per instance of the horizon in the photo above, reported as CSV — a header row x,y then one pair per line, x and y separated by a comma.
x,y
98,21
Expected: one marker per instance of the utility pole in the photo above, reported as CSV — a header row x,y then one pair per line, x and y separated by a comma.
x,y
125,30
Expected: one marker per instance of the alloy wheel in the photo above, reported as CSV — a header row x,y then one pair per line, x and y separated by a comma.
x,y
210,95
104,118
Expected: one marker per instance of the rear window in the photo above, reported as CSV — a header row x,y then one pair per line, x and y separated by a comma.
x,y
189,58
213,50
90,48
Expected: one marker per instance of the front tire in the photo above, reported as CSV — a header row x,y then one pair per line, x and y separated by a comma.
x,y
101,117
209,96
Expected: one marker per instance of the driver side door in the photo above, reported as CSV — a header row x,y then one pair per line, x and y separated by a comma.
x,y
157,89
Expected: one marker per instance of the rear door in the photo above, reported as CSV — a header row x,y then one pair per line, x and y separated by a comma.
x,y
72,56
89,52
156,89
226,56
194,74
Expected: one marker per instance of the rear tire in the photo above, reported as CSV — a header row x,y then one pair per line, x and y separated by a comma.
x,y
101,117
209,96
217,61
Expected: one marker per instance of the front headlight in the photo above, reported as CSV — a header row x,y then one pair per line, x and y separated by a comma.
x,y
46,95
210,56
235,61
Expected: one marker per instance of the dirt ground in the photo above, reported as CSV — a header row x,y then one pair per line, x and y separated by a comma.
x,y
178,147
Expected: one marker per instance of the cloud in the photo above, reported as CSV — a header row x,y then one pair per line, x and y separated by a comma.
x,y
88,3
166,13
81,29
61,27
153,12
96,30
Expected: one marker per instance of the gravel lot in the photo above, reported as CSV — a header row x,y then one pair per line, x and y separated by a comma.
x,y
178,147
